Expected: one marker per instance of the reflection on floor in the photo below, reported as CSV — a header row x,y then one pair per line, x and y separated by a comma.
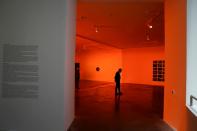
x,y
139,108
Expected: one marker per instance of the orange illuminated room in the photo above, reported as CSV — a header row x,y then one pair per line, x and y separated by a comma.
x,y
112,35
98,65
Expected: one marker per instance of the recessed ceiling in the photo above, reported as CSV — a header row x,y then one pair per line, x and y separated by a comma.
x,y
121,24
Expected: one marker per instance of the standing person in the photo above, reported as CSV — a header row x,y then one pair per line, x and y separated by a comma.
x,y
117,80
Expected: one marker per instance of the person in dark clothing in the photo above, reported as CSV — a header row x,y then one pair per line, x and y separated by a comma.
x,y
117,80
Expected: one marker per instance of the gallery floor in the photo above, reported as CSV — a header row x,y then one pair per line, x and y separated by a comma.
x,y
139,108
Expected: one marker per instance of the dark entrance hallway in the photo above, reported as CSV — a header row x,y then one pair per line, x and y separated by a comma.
x,y
138,109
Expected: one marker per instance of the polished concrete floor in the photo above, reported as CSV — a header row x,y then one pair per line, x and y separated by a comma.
x,y
139,108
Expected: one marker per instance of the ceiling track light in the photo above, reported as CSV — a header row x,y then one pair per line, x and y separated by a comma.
x,y
147,37
149,26
96,30
148,31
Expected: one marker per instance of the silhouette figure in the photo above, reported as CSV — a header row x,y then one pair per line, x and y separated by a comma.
x,y
117,80
117,103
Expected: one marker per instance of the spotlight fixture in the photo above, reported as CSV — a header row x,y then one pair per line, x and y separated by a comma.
x,y
150,26
147,37
96,30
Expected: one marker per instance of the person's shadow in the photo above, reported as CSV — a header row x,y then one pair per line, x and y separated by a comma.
x,y
117,103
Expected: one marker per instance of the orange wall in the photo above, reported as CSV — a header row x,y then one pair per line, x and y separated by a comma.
x,y
109,59
137,64
175,111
